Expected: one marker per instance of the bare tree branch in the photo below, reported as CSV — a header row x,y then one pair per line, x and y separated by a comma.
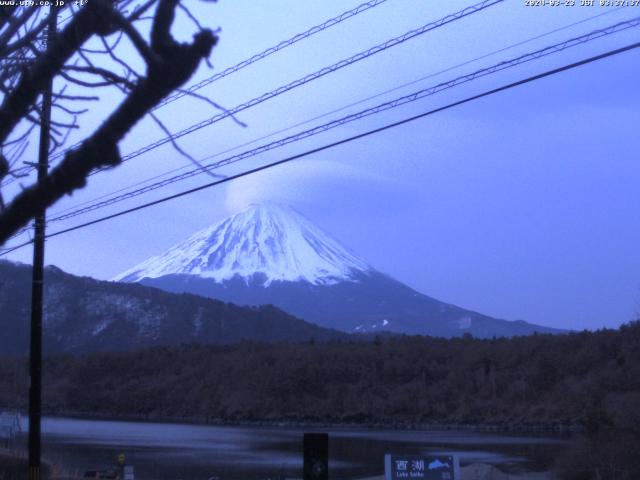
x,y
31,35
109,77
15,25
170,66
92,18
180,150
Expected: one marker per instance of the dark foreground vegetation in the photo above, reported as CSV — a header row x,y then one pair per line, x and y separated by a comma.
x,y
587,379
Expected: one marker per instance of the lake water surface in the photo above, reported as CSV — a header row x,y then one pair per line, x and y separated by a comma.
x,y
169,451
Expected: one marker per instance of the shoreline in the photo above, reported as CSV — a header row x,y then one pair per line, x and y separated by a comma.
x,y
541,428
471,470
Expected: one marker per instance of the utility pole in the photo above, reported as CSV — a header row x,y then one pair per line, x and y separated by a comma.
x,y
35,357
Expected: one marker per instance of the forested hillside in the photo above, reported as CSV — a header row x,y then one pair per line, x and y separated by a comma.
x,y
84,315
588,379
562,379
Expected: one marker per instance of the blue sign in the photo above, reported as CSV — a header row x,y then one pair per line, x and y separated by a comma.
x,y
423,467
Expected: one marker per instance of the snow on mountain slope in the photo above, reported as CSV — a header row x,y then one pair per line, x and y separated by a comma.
x,y
268,239
308,275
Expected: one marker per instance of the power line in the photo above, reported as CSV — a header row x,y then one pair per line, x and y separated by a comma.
x,y
311,77
368,133
356,116
271,50
315,75
344,107
362,114
363,7
448,69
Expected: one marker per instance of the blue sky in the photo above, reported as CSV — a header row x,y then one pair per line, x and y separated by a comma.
x,y
522,205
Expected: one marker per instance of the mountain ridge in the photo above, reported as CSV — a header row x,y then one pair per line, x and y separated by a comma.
x,y
270,254
82,315
373,304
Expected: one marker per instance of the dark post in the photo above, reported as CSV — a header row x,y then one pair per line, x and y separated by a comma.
x,y
35,358
316,456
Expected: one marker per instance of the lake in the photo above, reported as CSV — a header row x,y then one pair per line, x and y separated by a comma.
x,y
170,451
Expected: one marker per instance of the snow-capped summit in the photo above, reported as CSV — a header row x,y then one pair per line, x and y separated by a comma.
x,y
270,254
267,241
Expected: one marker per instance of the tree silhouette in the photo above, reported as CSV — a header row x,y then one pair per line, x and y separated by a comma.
x,y
27,68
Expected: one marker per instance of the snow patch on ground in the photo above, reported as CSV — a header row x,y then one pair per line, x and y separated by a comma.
x,y
464,323
100,327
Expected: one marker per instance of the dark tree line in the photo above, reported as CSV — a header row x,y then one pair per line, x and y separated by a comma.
x,y
540,379
588,379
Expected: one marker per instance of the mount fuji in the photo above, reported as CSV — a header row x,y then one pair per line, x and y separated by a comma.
x,y
271,254
264,244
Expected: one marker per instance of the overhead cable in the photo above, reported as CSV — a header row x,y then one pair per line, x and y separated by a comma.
x,y
339,109
271,50
309,78
363,7
316,75
368,133
420,94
